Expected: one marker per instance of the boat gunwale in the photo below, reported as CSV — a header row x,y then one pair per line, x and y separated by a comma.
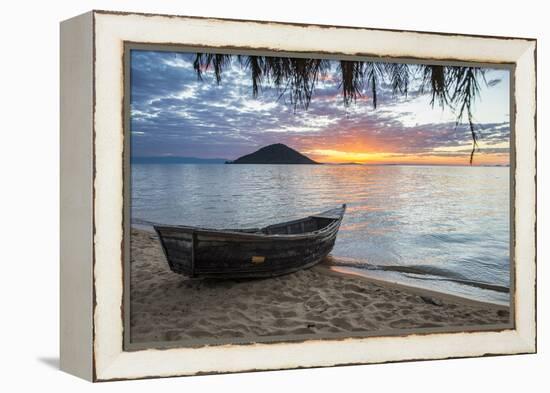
x,y
260,236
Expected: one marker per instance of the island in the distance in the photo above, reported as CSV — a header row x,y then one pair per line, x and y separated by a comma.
x,y
277,153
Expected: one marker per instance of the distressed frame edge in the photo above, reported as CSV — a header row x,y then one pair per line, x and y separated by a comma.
x,y
525,222
527,340
303,24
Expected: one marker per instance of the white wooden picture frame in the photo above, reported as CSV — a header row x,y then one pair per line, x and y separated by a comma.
x,y
92,193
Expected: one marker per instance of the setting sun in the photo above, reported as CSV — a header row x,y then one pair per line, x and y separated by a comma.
x,y
340,157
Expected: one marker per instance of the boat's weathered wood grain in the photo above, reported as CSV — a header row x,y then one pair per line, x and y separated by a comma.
x,y
276,249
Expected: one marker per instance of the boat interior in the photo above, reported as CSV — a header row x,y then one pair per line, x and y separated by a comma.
x,y
301,226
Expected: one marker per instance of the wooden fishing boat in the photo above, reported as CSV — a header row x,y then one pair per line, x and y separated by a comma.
x,y
257,252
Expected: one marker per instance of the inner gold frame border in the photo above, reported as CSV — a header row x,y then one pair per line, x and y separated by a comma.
x,y
194,343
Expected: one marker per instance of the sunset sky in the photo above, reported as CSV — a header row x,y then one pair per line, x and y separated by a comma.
x,y
174,114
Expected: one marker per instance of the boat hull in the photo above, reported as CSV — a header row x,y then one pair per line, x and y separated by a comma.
x,y
197,252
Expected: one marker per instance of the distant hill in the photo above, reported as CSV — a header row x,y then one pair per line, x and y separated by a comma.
x,y
176,160
274,154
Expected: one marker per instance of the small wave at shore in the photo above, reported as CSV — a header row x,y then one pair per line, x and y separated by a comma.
x,y
413,274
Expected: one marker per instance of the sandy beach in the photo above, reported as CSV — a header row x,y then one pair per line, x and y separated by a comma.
x,y
167,307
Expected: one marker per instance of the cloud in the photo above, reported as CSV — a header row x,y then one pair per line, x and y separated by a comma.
x,y
173,113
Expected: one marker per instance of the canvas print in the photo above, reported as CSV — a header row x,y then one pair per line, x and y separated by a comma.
x,y
289,198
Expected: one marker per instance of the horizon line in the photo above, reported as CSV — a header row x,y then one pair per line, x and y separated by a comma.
x,y
228,161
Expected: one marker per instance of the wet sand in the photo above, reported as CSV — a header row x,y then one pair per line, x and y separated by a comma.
x,y
169,307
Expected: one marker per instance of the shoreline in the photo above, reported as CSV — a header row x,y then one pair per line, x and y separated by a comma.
x,y
318,302
416,290
338,262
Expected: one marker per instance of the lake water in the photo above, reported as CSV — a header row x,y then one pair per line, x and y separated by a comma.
x,y
441,228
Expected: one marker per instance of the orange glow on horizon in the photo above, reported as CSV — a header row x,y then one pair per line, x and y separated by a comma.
x,y
354,145
330,156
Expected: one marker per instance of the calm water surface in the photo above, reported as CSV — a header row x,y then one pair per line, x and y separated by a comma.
x,y
442,228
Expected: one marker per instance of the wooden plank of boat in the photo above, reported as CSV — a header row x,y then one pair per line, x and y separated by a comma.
x,y
265,252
